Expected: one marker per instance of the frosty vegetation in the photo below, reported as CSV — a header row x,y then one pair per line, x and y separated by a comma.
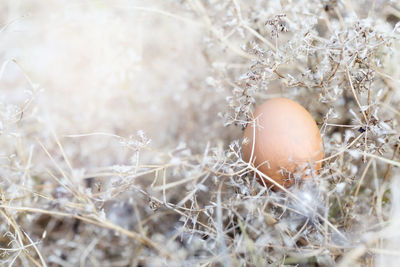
x,y
121,129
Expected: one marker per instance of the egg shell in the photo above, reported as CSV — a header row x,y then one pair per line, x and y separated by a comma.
x,y
287,141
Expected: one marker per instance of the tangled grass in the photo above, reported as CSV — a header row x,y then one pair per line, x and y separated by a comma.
x,y
121,124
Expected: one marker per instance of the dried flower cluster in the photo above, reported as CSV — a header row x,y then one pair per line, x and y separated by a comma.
x,y
121,124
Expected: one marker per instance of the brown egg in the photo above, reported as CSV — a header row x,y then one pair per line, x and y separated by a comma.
x,y
287,141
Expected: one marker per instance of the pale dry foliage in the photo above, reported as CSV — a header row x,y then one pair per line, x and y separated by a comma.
x,y
121,124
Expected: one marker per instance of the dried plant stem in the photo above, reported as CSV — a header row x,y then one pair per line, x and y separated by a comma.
x,y
389,167
355,95
362,177
391,162
105,224
341,151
